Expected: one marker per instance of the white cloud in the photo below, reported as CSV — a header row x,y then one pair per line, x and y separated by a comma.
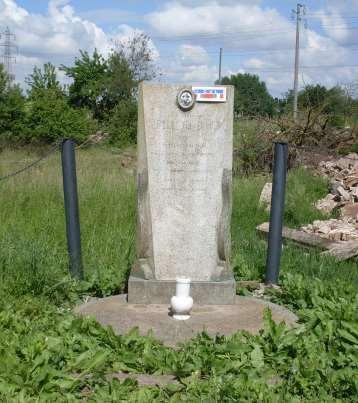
x,y
260,39
10,11
211,20
200,74
245,27
56,36
255,63
111,16
193,55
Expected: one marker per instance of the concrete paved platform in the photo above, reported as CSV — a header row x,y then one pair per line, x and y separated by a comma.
x,y
245,314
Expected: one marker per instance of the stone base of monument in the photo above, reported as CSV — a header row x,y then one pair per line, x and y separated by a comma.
x,y
141,291
246,313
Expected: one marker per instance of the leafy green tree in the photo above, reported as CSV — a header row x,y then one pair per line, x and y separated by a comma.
x,y
4,79
12,109
312,96
119,81
100,84
251,95
122,123
87,89
50,116
41,80
334,103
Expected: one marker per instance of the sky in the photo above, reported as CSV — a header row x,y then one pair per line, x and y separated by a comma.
x,y
257,37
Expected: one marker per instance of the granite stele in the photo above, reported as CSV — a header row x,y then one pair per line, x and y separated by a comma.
x,y
184,193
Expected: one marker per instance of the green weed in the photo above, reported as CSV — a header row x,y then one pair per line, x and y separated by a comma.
x,y
48,354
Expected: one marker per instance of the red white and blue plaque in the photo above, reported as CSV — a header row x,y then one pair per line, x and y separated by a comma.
x,y
209,94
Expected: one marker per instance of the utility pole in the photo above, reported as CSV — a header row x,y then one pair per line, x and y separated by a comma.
x,y
220,57
298,12
7,58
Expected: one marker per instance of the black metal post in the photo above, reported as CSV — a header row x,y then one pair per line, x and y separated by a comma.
x,y
71,208
276,215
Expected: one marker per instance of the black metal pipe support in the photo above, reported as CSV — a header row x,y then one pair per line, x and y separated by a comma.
x,y
71,208
274,248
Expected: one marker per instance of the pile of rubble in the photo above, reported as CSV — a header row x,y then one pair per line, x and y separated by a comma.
x,y
343,196
344,229
343,174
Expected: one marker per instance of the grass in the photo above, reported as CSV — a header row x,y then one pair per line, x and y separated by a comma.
x,y
249,250
33,250
46,354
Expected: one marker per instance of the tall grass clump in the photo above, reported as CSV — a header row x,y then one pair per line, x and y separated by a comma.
x,y
33,251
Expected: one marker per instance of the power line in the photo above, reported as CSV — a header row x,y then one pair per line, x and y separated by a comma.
x,y
282,69
317,14
228,50
253,51
241,33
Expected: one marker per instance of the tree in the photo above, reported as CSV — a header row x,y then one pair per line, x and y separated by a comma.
x,y
42,80
12,109
50,116
87,88
312,96
4,79
251,95
100,84
118,83
334,103
122,123
138,53
108,87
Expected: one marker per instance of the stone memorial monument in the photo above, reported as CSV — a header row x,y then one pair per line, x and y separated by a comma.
x,y
184,209
184,193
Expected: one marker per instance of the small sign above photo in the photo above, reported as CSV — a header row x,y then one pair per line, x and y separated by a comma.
x,y
209,94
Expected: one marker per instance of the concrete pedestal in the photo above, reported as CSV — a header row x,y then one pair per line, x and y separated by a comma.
x,y
246,313
141,291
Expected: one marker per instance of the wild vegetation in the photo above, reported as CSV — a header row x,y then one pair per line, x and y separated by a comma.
x,y
102,97
48,354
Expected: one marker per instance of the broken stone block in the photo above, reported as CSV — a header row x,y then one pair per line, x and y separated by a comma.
x,y
354,193
334,187
324,229
343,193
335,235
333,229
351,180
265,197
327,204
350,210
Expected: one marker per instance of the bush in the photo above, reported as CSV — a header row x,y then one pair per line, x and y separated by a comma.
x,y
251,95
12,115
12,109
50,117
252,149
122,123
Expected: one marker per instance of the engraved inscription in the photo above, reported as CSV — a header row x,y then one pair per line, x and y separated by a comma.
x,y
189,123
181,153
